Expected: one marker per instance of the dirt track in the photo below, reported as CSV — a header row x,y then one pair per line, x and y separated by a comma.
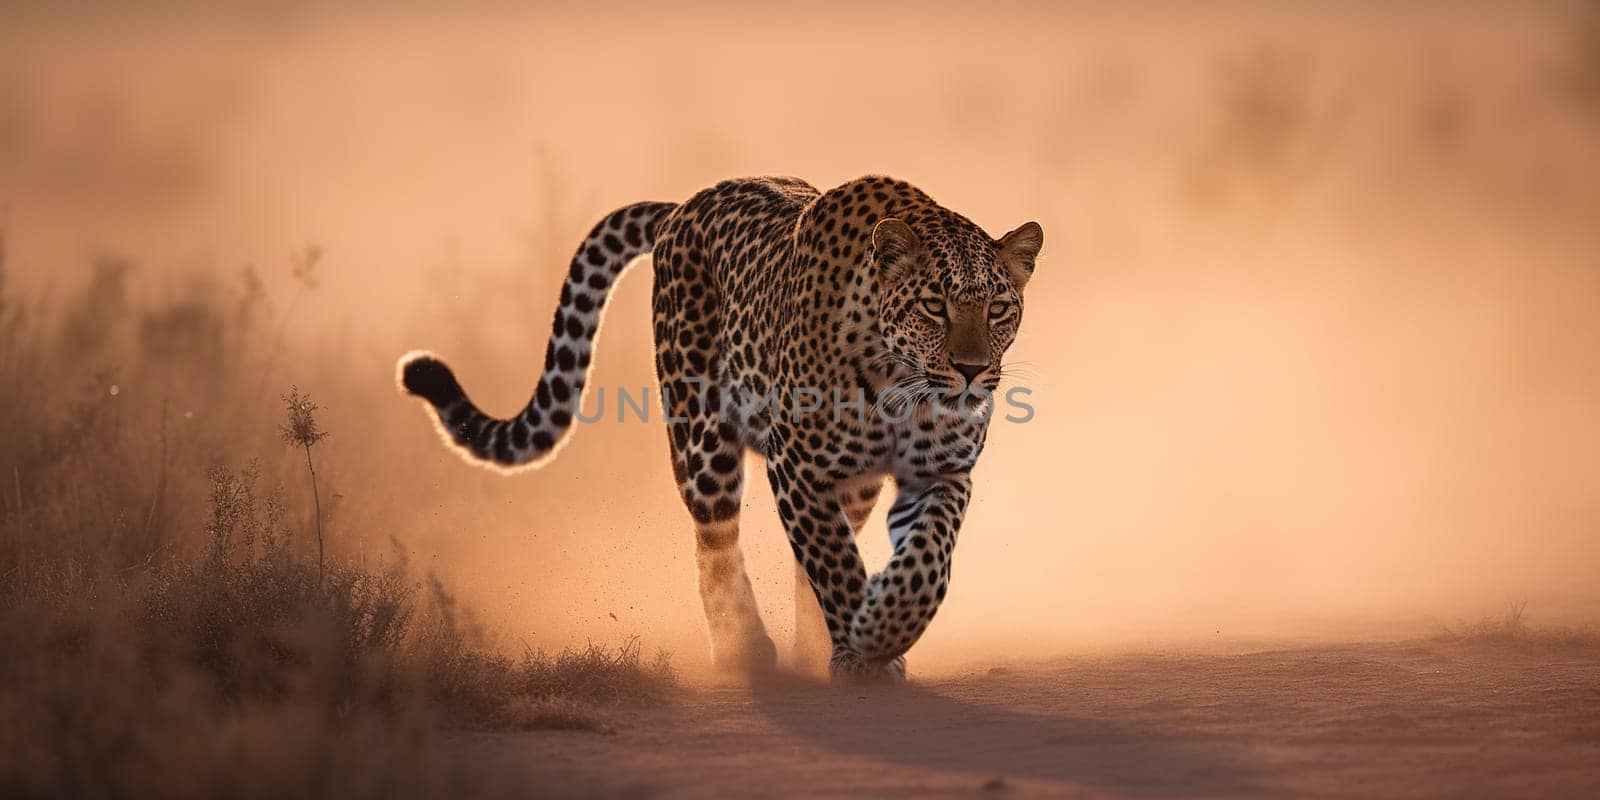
x,y
1370,720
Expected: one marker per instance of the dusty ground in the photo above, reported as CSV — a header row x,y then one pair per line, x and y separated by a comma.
x,y
1413,719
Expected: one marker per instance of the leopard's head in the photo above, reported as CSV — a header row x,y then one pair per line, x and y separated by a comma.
x,y
950,299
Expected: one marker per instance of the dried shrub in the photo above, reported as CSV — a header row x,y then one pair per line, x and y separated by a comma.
x,y
166,629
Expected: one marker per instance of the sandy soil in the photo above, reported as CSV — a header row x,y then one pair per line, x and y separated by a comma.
x,y
1416,719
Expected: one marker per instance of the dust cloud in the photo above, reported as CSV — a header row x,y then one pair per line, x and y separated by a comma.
x,y
1312,347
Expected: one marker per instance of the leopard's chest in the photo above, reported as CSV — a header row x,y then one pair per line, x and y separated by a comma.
x,y
936,443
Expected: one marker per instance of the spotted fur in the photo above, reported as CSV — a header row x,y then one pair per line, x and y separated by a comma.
x,y
774,304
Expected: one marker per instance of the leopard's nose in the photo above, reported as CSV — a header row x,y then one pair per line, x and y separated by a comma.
x,y
971,371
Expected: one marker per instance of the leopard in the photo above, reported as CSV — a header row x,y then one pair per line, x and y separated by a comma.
x,y
848,337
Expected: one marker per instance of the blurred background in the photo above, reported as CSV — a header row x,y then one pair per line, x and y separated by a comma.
x,y
1313,345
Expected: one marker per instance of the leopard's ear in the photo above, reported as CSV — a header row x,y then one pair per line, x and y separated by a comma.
x,y
1018,251
895,249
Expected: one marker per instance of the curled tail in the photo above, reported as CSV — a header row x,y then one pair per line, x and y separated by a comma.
x,y
532,436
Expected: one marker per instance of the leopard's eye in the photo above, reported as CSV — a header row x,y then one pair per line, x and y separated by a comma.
x,y
933,305
998,310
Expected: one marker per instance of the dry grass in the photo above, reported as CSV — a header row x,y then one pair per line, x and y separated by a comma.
x,y
169,625
570,690
1512,630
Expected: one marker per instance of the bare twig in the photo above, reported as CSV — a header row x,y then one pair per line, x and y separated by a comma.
x,y
301,431
160,489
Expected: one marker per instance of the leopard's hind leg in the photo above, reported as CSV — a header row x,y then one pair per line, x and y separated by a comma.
x,y
707,451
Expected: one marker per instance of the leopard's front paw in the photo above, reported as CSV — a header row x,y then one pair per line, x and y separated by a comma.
x,y
846,666
895,669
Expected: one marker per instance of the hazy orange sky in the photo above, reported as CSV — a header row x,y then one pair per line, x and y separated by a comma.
x,y
1313,345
